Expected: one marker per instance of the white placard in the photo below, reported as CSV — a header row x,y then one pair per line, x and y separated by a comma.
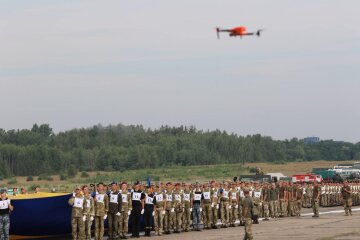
x,y
149,200
114,198
136,196
124,197
197,197
100,198
169,197
178,197
187,197
78,202
206,195
159,198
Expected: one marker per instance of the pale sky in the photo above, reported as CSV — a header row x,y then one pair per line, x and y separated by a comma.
x,y
158,62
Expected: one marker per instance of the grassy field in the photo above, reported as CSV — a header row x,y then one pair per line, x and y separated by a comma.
x,y
175,173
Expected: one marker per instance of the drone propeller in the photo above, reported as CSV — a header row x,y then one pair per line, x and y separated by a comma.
x,y
259,31
218,32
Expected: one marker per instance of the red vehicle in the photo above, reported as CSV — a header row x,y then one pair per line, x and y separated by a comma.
x,y
308,178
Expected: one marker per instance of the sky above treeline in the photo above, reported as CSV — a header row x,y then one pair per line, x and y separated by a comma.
x,y
79,63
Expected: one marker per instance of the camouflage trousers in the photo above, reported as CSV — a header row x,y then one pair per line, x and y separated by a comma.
x,y
325,200
168,220
274,205
266,210
347,206
158,220
290,208
78,228
214,215
283,207
233,213
186,218
224,212
248,230
4,226
99,228
241,218
113,225
308,201
87,226
178,217
315,207
207,215
123,223
297,207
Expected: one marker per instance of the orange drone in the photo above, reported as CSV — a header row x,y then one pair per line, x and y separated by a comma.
x,y
238,31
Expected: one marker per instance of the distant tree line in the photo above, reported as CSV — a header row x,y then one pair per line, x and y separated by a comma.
x,y
40,150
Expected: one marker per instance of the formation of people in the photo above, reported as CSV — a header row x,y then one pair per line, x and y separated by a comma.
x,y
173,208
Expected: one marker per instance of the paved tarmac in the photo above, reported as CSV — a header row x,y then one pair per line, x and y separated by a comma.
x,y
332,225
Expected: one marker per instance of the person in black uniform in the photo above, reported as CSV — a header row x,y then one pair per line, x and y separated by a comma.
x,y
149,210
138,199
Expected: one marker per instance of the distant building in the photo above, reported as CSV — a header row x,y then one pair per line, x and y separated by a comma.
x,y
311,140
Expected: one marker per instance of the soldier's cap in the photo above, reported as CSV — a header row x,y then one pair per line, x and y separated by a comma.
x,y
177,184
169,183
225,183
100,183
246,190
3,190
124,183
213,181
136,183
113,183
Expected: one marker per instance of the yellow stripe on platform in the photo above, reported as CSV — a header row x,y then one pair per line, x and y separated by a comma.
x,y
15,237
36,195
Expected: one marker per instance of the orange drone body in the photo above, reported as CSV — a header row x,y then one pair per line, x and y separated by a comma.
x,y
238,31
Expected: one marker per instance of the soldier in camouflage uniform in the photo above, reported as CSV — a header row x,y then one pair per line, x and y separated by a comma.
x,y
346,194
224,203
207,211
256,197
126,207
178,205
298,199
234,204
186,218
115,205
316,199
247,206
308,195
89,212
169,209
265,198
78,214
214,204
241,198
290,200
274,201
101,208
159,206
282,198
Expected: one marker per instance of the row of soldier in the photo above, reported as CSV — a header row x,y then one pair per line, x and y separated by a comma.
x,y
168,208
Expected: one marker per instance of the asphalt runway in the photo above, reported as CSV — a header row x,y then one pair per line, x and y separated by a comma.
x,y
332,225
